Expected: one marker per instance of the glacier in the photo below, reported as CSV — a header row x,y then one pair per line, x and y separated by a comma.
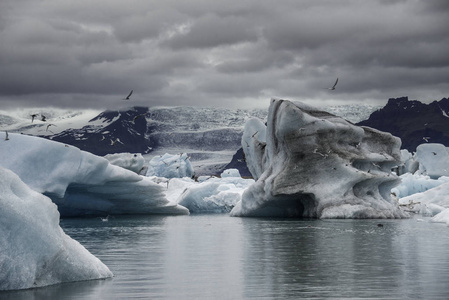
x,y
310,163
81,183
34,250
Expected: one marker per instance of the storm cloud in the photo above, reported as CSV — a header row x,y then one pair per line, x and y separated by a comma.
x,y
90,54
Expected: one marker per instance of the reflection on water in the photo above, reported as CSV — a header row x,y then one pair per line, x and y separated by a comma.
x,y
219,257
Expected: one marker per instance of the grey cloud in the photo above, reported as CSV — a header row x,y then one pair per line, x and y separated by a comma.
x,y
203,52
212,31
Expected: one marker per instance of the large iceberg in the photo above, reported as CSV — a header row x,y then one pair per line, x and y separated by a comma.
x,y
81,183
34,250
310,163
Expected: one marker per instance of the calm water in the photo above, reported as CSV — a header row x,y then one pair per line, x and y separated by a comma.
x,y
220,257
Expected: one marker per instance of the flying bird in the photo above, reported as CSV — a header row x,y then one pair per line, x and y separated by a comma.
x,y
43,118
138,116
49,126
426,138
127,97
32,117
117,140
333,87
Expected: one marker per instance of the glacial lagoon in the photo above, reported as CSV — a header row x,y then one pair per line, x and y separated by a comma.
x,y
221,257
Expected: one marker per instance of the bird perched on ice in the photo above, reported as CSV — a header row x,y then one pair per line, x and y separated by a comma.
x,y
7,136
129,95
333,87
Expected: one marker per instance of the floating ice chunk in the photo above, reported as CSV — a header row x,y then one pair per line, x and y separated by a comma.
x,y
311,163
130,161
215,195
170,166
408,163
433,160
442,217
81,183
34,250
230,173
429,202
416,183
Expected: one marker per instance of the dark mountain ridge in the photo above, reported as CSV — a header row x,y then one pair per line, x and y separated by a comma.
x,y
413,121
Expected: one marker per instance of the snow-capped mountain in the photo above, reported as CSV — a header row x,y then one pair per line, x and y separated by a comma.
x,y
211,136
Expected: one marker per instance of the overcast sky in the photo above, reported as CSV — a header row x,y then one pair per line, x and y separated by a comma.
x,y
91,53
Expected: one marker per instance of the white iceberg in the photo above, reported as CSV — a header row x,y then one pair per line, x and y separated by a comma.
x,y
433,160
210,195
442,217
430,159
310,163
170,166
34,250
81,183
428,203
416,183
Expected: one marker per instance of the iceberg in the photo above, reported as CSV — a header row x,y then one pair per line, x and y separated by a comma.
x,y
81,183
310,163
430,159
34,250
416,183
170,166
442,217
215,195
433,160
428,203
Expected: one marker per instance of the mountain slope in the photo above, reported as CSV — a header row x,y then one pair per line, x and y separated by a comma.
x,y
412,121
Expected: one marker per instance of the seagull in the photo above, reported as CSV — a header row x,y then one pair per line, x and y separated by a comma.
x,y
43,118
32,117
127,97
426,138
105,219
50,125
138,116
116,140
323,155
7,136
335,84
102,138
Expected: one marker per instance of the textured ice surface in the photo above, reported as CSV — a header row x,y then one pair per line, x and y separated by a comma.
x,y
34,250
81,183
130,161
170,166
310,163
